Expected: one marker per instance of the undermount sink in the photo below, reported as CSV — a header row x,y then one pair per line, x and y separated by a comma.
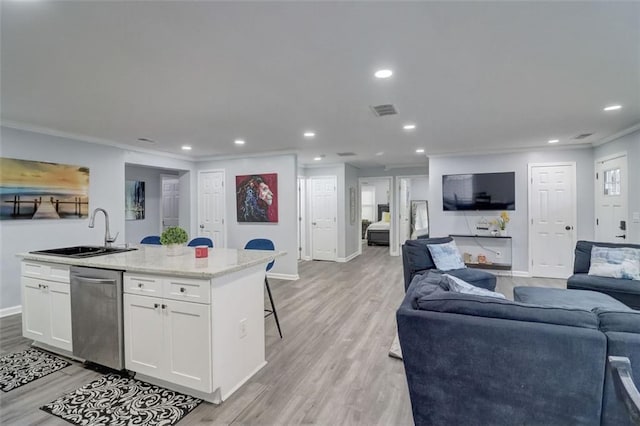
x,y
82,251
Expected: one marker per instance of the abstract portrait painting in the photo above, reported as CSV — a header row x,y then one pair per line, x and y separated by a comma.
x,y
257,198
39,190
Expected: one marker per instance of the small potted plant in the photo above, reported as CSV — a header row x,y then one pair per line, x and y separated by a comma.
x,y
174,238
501,223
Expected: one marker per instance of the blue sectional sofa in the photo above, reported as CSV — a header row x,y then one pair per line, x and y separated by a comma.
x,y
542,359
626,291
416,259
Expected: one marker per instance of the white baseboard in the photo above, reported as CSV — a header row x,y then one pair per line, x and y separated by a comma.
x,y
306,258
289,277
348,258
523,274
5,312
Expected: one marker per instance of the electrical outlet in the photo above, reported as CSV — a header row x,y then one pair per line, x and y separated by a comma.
x,y
498,255
243,328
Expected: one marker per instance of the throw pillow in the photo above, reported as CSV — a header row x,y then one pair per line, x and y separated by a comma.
x,y
446,256
386,217
459,286
615,262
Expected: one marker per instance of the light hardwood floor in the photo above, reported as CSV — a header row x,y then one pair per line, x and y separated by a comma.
x,y
332,367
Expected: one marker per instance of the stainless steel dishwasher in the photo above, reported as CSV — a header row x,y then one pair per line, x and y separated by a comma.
x,y
96,316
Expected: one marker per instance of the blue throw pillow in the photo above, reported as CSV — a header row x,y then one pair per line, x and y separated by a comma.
x,y
615,262
446,256
461,286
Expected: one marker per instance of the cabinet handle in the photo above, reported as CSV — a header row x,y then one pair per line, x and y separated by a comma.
x,y
39,285
140,285
155,306
182,290
164,306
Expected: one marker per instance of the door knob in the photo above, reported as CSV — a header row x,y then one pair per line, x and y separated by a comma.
x,y
568,228
201,226
313,223
623,236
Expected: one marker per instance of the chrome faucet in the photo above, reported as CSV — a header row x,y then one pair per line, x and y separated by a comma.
x,y
107,237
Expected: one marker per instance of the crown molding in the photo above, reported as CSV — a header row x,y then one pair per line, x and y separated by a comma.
x,y
618,135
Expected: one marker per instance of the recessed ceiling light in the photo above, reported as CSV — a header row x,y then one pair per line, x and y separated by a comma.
x,y
420,150
383,73
379,153
554,140
309,134
186,147
409,126
239,142
317,158
613,108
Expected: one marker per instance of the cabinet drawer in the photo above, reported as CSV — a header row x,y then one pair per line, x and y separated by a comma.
x,y
188,290
46,271
148,285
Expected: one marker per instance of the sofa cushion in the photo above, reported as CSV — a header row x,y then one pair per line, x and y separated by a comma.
x,y
591,282
615,262
481,306
582,259
416,258
460,286
423,285
626,321
476,277
562,298
446,256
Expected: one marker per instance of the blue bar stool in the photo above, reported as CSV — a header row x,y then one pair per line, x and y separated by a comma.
x,y
201,241
264,244
151,239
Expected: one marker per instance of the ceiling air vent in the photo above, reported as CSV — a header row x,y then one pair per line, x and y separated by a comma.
x,y
382,110
582,136
346,154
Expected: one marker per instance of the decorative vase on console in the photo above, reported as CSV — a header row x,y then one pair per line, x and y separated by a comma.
x,y
501,223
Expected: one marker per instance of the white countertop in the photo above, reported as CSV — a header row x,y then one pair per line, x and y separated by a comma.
x,y
153,259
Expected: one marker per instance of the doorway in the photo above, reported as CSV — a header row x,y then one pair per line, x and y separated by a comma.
x,y
324,215
552,219
611,193
211,206
170,205
377,212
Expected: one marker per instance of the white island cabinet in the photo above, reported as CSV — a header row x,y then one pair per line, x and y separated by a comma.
x,y
166,337
192,325
46,304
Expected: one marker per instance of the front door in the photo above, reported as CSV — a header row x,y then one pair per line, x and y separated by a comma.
x,y
552,219
211,206
611,199
324,237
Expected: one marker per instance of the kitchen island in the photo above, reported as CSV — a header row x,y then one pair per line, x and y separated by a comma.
x,y
192,325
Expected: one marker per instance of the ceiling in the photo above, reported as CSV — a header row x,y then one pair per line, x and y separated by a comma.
x,y
474,77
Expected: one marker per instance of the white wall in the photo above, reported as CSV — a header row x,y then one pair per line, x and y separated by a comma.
x,y
449,222
106,190
136,230
284,233
419,188
353,230
631,145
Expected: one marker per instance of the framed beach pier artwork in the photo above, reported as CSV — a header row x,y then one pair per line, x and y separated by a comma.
x,y
257,198
39,190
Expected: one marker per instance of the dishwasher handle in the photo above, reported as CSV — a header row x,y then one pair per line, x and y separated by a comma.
x,y
95,280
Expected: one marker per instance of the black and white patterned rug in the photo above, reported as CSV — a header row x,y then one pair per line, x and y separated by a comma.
x,y
116,400
20,368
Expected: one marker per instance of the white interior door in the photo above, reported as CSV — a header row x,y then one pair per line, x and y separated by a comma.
x,y
170,201
302,250
611,199
324,202
552,213
211,206
405,210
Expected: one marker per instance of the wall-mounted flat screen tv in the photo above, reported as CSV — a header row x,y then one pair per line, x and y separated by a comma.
x,y
479,191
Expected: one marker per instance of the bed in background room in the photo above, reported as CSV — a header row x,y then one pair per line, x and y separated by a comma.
x,y
378,232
